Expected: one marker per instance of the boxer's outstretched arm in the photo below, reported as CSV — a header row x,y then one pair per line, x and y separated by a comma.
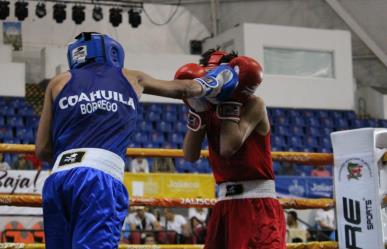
x,y
178,89
192,144
233,134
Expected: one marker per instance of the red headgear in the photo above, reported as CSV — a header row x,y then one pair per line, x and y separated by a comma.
x,y
215,59
250,76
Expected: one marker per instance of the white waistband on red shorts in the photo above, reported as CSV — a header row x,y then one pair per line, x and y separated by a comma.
x,y
95,158
247,189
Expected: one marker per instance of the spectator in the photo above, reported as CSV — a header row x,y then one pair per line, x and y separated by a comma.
x,y
325,219
128,163
287,169
156,211
292,221
320,171
36,163
149,239
21,163
141,220
175,222
197,216
296,231
164,164
3,164
140,165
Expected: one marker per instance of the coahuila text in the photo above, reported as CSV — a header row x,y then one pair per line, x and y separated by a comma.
x,y
97,100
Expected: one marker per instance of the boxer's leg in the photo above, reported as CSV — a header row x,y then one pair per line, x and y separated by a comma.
x,y
56,227
99,207
270,221
255,223
216,236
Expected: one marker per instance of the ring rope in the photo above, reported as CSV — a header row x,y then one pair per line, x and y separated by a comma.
x,y
36,201
309,245
295,157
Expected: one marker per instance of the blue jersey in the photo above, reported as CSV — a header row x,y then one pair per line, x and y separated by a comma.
x,y
97,108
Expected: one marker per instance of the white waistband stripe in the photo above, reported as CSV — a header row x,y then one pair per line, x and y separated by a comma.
x,y
247,189
100,159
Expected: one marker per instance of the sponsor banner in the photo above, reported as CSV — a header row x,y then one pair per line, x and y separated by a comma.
x,y
170,185
356,182
22,181
304,187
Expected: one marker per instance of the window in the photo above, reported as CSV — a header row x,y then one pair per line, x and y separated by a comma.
x,y
298,62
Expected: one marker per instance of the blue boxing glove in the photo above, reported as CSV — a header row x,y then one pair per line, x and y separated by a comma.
x,y
218,84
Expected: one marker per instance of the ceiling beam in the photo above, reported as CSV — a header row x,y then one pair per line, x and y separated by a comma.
x,y
215,17
358,30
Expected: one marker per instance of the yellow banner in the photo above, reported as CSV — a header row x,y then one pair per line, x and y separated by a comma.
x,y
170,185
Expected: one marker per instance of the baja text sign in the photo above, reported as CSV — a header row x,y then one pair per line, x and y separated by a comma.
x,y
22,181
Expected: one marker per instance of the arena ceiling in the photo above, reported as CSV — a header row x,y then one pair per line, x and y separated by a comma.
x,y
365,19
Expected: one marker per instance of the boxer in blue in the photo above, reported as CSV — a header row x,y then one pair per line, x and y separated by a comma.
x,y
88,116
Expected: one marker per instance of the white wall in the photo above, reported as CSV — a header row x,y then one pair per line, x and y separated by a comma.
x,y
291,91
385,106
12,84
52,57
171,38
374,101
45,33
31,57
5,53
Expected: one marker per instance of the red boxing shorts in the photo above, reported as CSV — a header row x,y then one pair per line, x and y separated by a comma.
x,y
257,223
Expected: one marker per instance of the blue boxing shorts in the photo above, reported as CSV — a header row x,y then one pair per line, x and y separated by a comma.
x,y
84,200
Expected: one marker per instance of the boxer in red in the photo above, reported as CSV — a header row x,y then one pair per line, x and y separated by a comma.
x,y
247,214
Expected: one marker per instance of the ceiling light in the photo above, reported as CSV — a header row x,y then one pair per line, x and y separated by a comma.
x,y
97,13
78,14
134,18
4,10
59,12
115,16
40,10
21,10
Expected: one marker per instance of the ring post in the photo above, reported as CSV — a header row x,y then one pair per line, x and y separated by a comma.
x,y
359,187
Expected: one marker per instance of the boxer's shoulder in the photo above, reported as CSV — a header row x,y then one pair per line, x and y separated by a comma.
x,y
65,76
133,77
58,82
255,103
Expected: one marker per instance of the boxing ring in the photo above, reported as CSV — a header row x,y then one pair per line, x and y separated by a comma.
x,y
293,157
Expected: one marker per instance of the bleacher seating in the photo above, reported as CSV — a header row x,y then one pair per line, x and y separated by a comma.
x,y
159,125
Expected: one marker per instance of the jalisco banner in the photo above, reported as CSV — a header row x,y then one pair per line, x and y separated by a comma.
x,y
304,187
357,189
147,185
170,185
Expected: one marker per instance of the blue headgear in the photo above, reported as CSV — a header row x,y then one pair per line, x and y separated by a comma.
x,y
95,47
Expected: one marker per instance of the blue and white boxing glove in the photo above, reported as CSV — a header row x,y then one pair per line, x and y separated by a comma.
x,y
218,84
